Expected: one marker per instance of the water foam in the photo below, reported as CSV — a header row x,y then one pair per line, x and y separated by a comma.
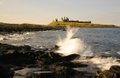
x,y
118,52
15,36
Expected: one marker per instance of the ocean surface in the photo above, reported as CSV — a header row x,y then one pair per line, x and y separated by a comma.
x,y
102,41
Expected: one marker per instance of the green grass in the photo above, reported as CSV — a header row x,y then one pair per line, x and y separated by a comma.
x,y
76,24
60,25
6,27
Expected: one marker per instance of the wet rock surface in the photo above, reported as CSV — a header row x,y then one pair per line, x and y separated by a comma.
x,y
5,71
113,72
28,62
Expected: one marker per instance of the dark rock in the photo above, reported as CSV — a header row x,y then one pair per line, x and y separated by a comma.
x,y
5,72
16,59
48,58
51,58
72,64
106,74
63,72
113,72
43,74
19,57
59,72
69,57
116,70
4,48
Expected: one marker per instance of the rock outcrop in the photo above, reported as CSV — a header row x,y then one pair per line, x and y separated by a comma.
x,y
113,72
17,58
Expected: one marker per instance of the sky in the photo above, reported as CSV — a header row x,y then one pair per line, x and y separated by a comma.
x,y
45,11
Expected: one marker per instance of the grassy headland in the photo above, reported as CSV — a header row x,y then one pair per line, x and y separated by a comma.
x,y
83,25
55,25
6,27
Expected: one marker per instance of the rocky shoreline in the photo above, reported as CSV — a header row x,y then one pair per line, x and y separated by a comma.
x,y
28,62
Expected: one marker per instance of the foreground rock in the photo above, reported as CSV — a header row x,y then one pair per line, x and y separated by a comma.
x,y
113,72
28,62
6,72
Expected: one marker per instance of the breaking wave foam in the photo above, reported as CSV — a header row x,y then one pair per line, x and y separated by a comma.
x,y
14,36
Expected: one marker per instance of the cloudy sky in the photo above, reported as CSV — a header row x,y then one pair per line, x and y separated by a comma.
x,y
44,11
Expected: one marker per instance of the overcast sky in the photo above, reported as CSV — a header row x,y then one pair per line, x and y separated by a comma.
x,y
44,11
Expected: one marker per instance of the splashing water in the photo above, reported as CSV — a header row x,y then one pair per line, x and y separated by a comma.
x,y
70,45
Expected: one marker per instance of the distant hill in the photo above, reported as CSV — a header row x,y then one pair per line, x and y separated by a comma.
x,y
55,25
81,24
8,27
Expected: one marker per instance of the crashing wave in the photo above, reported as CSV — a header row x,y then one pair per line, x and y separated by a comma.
x,y
70,45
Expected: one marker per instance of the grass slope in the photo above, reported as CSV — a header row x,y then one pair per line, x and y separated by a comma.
x,y
6,27
89,25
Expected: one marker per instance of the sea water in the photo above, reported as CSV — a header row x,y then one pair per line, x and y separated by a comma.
x,y
93,41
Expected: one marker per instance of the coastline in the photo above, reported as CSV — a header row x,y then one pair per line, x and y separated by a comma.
x,y
26,61
13,28
14,60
